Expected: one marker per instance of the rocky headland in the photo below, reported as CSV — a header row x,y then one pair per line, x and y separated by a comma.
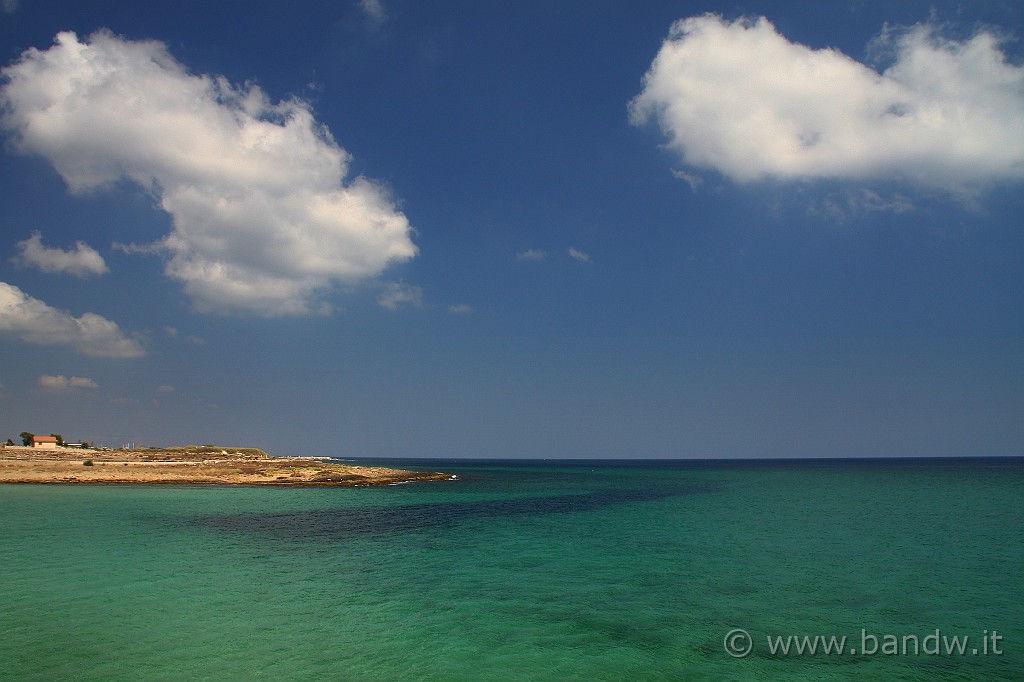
x,y
192,465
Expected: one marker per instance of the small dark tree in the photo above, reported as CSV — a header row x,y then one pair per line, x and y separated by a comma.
x,y
26,438
10,442
60,440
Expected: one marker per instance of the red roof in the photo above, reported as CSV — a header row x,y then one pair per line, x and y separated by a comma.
x,y
43,439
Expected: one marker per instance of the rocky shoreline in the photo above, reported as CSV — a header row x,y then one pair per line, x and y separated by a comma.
x,y
191,466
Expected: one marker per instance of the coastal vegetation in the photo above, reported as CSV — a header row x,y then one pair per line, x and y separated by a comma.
x,y
191,451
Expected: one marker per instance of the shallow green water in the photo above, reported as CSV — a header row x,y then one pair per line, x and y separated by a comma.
x,y
545,571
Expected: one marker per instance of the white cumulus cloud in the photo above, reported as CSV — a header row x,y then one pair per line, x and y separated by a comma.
x,y
60,382
265,218
33,321
82,261
740,98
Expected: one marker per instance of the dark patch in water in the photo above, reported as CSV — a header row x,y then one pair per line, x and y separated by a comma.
x,y
350,522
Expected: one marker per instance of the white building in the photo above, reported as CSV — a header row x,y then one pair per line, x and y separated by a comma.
x,y
44,442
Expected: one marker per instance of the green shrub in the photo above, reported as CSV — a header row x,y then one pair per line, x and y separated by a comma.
x,y
87,463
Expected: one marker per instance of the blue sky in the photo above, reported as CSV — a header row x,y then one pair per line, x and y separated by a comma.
x,y
530,229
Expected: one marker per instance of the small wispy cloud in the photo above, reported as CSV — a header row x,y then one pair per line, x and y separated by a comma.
x,y
460,309
10,6
132,249
578,255
165,389
192,339
374,10
854,202
532,255
691,179
397,294
82,261
60,383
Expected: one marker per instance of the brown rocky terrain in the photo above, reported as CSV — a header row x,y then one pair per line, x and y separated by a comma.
x,y
191,465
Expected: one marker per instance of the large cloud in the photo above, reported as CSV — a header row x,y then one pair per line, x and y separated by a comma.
x,y
740,98
33,321
263,217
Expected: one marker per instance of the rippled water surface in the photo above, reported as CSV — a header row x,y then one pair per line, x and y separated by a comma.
x,y
521,570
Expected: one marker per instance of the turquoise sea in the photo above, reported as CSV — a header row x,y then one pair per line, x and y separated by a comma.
x,y
530,570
